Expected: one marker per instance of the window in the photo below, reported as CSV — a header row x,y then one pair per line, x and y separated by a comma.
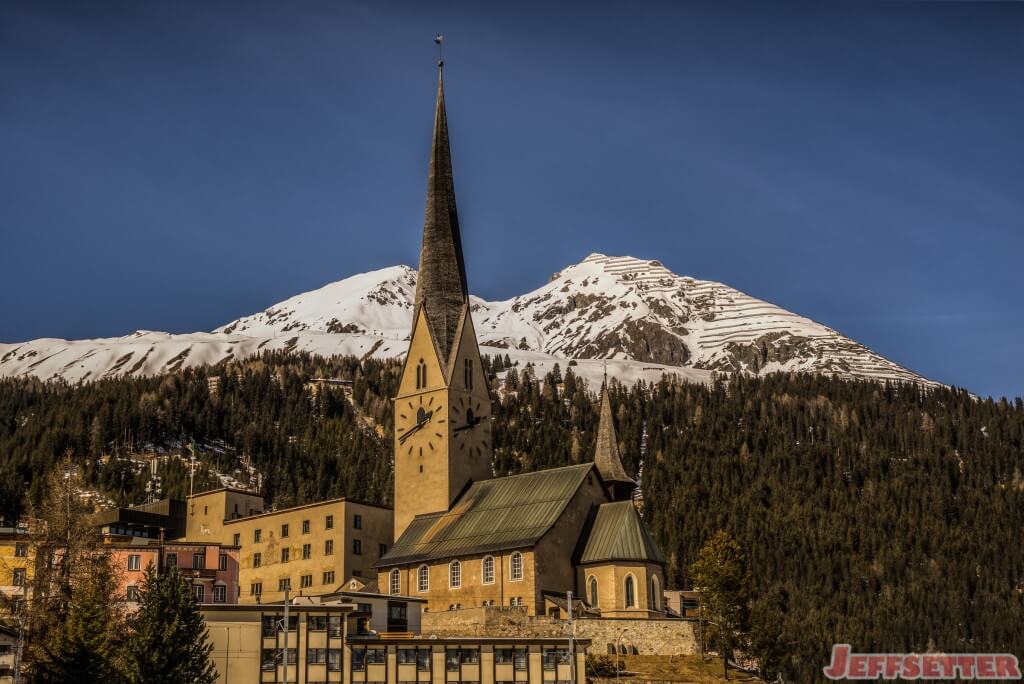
x,y
357,547
357,521
468,370
307,551
284,530
271,658
334,626
455,575
653,598
286,554
383,549
329,522
19,577
630,592
488,570
328,547
395,582
334,659
516,567
316,656
21,550
316,623
284,583
172,560
236,539
222,562
305,527
516,657
592,590
257,560
220,593
198,592
198,561
257,535
423,579
306,581
421,375
454,657
555,656
256,588
134,562
132,593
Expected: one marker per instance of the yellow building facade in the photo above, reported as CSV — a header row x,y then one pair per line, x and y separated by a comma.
x,y
16,564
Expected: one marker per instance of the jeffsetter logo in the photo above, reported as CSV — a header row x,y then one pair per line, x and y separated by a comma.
x,y
848,665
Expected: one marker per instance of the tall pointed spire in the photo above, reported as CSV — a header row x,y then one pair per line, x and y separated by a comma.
x,y
441,288
606,453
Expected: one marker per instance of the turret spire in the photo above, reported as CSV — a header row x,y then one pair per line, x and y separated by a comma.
x,y
441,288
606,454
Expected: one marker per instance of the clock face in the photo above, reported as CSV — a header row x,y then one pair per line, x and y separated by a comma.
x,y
470,425
419,425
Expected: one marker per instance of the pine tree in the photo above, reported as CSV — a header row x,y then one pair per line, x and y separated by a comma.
x,y
720,573
169,638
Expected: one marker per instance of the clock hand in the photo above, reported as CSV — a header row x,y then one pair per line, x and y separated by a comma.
x,y
476,421
417,426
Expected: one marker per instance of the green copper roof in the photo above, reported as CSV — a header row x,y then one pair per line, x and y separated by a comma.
x,y
492,515
619,534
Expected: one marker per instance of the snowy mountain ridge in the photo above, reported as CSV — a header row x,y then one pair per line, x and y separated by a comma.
x,y
638,315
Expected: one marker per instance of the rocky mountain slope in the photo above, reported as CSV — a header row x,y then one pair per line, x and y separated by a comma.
x,y
636,314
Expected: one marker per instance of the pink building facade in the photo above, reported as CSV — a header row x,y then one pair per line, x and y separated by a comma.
x,y
211,568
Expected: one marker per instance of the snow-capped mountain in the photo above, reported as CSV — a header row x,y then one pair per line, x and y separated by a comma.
x,y
635,315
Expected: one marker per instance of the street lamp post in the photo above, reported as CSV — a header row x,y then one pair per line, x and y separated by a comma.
x,y
618,640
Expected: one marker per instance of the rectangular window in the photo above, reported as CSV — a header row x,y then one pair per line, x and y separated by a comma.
x,y
198,592
423,659
307,551
132,593
198,561
256,588
272,624
358,658
329,522
334,659
519,659
376,656
268,659
220,593
172,560
284,530
21,550
357,547
357,521
285,554
328,547
451,659
257,559
334,626
316,656
19,577
134,562
555,656
383,549
257,535
305,527
306,581
316,623
329,577
222,562
284,583
406,656
237,539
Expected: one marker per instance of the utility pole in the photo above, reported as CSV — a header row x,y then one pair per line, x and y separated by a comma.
x,y
284,659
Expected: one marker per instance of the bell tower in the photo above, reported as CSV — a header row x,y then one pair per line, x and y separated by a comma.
x,y
443,407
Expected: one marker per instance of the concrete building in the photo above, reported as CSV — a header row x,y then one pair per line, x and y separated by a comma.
x,y
311,549
462,537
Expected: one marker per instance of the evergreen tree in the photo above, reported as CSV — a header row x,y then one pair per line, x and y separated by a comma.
x,y
720,573
169,642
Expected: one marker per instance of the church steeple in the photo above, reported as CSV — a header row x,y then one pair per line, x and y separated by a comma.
x,y
606,454
441,288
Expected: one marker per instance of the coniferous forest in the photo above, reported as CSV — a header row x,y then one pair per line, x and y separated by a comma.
x,y
885,516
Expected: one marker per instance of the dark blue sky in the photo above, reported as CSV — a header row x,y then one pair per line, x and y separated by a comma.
x,y
174,165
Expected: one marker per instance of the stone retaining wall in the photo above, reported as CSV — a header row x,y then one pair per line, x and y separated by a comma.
x,y
661,636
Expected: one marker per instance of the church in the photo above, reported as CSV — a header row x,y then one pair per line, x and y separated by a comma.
x,y
464,538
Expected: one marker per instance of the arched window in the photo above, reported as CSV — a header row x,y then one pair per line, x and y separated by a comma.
x,y
423,578
487,571
455,575
468,368
592,590
630,592
395,583
421,375
654,599
515,567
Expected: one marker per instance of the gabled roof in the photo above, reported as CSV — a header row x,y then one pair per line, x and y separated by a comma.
x,y
441,283
606,453
491,515
619,534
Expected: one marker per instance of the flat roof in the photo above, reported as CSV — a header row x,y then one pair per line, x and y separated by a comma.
x,y
264,607
353,593
424,640
236,490
343,499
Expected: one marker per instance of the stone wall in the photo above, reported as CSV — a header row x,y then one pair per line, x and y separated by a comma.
x,y
661,636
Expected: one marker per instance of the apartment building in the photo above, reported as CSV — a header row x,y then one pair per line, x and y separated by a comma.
x,y
15,563
309,549
211,568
